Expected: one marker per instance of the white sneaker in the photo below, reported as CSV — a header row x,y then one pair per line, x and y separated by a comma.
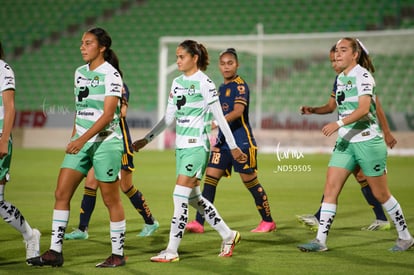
x,y
227,247
402,245
378,225
165,257
309,221
33,245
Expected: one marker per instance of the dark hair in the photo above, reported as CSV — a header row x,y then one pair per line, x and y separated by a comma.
x,y
1,51
363,58
333,48
230,51
194,48
105,40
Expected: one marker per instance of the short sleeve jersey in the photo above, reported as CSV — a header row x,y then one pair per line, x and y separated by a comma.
x,y
91,88
236,92
189,99
350,87
7,82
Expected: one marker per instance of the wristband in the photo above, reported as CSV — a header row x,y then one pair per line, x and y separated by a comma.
x,y
340,123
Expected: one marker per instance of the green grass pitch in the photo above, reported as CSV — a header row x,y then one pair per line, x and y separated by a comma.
x,y
352,251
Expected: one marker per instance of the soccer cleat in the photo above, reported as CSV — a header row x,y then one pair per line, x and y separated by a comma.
x,y
113,261
227,247
194,227
166,257
313,246
378,225
149,229
309,221
50,257
33,245
77,234
402,245
265,227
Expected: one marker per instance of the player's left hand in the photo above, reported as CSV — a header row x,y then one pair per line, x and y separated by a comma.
x,y
139,144
330,128
238,155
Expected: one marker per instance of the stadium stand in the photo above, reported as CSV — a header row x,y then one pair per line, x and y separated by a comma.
x,y
41,39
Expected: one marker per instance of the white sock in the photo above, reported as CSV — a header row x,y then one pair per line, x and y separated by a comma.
x,y
118,237
2,192
59,223
180,218
328,212
211,214
394,210
12,216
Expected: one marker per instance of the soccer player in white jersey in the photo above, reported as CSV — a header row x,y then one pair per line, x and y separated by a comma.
x,y
96,142
380,223
359,143
8,212
193,101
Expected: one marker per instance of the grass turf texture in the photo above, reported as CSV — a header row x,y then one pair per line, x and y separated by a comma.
x,y
34,174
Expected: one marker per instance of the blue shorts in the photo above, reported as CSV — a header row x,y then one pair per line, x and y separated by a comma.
x,y
128,155
222,159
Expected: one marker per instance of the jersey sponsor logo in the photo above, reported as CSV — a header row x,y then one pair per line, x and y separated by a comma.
x,y
181,100
85,113
83,92
214,91
81,79
183,120
192,140
9,80
177,89
366,87
116,87
225,107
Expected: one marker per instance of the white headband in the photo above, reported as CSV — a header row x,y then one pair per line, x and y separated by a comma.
x,y
362,46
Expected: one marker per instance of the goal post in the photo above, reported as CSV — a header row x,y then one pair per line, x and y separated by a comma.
x,y
260,47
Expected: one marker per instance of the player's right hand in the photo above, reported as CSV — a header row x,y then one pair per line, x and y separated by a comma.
x,y
139,144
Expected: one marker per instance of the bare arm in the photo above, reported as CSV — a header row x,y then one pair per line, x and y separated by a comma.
x,y
328,108
364,103
388,137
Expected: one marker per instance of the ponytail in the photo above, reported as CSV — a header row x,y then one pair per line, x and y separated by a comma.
x,y
105,40
194,48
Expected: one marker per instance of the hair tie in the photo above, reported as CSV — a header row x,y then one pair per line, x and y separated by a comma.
x,y
362,46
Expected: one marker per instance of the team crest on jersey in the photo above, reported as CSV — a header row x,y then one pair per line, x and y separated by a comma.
x,y
191,90
95,81
348,85
241,89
